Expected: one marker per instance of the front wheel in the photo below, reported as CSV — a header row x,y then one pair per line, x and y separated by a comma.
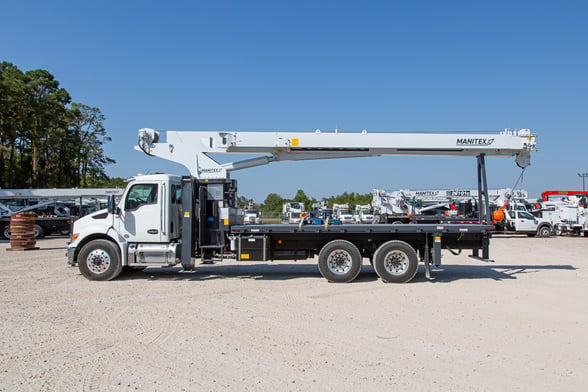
x,y
99,260
339,261
396,262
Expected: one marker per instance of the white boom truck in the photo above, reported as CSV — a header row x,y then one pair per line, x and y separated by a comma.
x,y
164,220
568,217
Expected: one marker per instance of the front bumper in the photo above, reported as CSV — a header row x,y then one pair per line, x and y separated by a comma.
x,y
71,252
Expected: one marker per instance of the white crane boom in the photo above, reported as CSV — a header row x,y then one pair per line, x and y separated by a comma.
x,y
192,148
59,193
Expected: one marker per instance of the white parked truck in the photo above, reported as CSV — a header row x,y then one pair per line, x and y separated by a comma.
x,y
165,220
567,216
343,213
251,215
291,211
512,217
363,214
566,209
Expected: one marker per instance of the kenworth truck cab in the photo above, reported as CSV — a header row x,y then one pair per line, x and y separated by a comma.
x,y
145,226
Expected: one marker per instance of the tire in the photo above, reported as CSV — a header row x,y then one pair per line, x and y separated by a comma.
x,y
339,261
39,232
99,260
6,232
396,262
544,231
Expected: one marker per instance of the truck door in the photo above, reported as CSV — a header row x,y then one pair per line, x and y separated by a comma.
x,y
525,221
141,213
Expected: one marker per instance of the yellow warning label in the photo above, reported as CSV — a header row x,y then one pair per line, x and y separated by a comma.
x,y
437,238
186,214
295,142
226,221
244,256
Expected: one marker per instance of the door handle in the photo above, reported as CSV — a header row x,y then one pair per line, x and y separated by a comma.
x,y
152,231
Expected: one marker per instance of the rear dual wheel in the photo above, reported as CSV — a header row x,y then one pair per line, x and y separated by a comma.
x,y
339,261
395,262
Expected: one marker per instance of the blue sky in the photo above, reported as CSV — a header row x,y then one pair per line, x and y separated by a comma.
x,y
303,65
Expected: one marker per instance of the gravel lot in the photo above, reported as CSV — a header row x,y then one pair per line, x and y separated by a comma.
x,y
516,324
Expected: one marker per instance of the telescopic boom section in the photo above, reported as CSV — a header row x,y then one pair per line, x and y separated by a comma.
x,y
193,148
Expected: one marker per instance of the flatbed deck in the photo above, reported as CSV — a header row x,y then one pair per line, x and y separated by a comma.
x,y
363,228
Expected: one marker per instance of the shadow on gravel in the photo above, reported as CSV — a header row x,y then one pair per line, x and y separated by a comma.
x,y
264,271
450,273
219,271
249,271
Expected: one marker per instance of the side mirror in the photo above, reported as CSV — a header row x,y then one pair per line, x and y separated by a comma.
x,y
111,205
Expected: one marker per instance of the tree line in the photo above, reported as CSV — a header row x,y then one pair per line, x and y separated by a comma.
x,y
272,205
46,140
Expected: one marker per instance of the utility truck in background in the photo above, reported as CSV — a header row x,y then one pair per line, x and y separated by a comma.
x,y
511,215
343,213
251,215
430,205
568,214
166,220
363,214
291,211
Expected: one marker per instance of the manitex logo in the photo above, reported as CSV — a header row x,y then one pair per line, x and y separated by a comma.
x,y
209,170
475,141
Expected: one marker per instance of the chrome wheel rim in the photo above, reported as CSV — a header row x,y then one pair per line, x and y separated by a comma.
x,y
98,261
396,262
339,262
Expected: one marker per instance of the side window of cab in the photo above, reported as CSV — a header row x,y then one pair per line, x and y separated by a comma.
x,y
141,194
525,215
176,194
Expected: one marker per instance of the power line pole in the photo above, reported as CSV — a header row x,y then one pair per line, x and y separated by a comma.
x,y
583,175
